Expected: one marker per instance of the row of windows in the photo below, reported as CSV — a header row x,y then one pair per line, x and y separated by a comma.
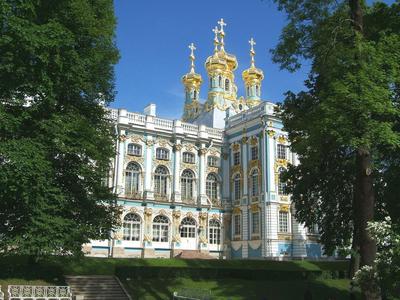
x,y
257,91
163,154
283,224
161,177
281,154
227,85
132,227
254,184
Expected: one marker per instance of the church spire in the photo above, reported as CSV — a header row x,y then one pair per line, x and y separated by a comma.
x,y
192,82
252,78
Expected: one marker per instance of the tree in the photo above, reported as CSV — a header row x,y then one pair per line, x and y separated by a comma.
x,y
343,125
56,73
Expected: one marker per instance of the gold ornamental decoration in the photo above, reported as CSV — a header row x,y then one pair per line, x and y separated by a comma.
x,y
236,169
255,208
244,140
133,210
176,214
149,143
212,169
282,139
178,147
253,141
235,147
122,138
284,207
270,132
135,139
236,210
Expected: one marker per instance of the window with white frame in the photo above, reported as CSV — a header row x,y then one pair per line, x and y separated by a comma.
x,y
214,232
161,175
254,182
188,228
283,221
255,222
254,152
212,186
236,225
131,225
220,81
257,90
212,161
160,229
281,151
237,187
187,183
281,183
188,157
134,149
236,158
132,178
162,153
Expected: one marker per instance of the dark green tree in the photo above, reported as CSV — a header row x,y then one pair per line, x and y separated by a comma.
x,y
343,126
56,142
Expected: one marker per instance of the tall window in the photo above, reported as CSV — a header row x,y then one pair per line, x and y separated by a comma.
x,y
160,181
132,177
162,153
211,83
188,228
220,81
281,151
131,225
188,157
160,229
236,225
236,187
212,186
281,183
134,149
255,222
214,232
254,182
236,158
187,182
254,152
194,94
257,90
227,85
212,161
283,221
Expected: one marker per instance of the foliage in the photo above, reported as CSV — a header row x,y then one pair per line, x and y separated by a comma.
x,y
385,273
56,72
350,107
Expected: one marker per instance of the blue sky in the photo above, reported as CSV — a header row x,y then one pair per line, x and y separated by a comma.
x,y
153,38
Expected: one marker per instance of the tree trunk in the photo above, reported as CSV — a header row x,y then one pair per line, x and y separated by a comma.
x,y
355,245
364,209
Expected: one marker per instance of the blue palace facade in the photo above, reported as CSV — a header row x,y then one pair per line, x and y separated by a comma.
x,y
208,184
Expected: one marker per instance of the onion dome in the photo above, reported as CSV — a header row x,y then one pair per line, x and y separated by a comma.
x,y
252,74
192,79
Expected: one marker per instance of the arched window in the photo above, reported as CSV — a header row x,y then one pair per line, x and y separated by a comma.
x,y
131,226
220,81
257,90
162,153
188,228
187,182
132,178
188,157
214,232
248,91
212,186
194,94
254,182
236,187
160,229
134,149
227,87
160,181
281,183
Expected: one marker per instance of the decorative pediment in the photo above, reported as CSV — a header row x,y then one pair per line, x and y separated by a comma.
x,y
136,138
282,139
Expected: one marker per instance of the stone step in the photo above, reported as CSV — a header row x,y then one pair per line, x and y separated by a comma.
x,y
97,287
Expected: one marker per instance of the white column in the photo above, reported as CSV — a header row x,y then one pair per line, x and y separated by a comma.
x,y
120,164
271,159
244,162
149,193
202,174
177,168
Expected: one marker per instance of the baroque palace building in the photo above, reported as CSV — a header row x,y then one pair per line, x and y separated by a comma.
x,y
209,183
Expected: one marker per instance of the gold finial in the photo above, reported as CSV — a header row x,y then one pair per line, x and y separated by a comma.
x,y
216,41
192,57
252,52
222,33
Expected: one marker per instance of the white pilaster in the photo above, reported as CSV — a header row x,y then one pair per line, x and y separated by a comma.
x,y
202,174
244,161
120,170
149,193
177,166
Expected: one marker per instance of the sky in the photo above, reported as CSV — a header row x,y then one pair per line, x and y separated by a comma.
x,y
153,38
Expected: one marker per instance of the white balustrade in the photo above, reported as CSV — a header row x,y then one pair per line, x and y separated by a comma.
x,y
214,132
31,292
164,124
113,113
136,119
190,128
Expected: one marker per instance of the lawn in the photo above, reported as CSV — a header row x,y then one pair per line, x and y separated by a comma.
x,y
234,289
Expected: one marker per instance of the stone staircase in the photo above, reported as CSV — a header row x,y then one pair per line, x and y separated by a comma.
x,y
97,287
194,254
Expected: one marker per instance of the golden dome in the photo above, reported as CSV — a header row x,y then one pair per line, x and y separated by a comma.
x,y
252,73
192,78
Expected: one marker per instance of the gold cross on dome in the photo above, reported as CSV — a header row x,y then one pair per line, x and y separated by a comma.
x,y
192,48
252,52
222,24
192,57
252,43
